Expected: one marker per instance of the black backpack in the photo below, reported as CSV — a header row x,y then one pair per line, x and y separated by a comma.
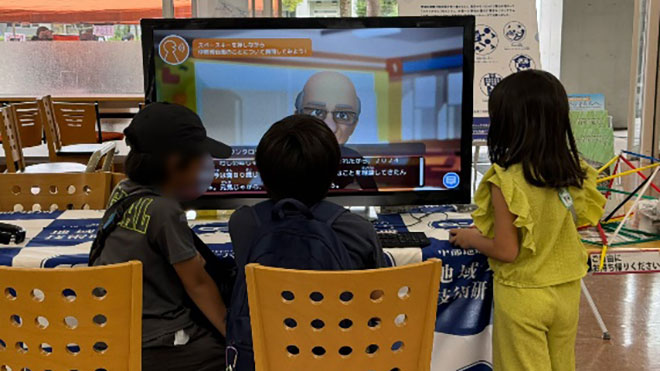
x,y
288,235
222,272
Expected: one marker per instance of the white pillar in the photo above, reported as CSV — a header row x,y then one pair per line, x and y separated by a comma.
x,y
193,8
168,8
549,14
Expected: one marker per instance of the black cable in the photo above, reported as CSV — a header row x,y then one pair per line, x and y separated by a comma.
x,y
419,219
628,197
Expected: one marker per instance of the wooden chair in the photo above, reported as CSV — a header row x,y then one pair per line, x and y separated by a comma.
x,y
25,192
16,161
77,122
381,319
29,123
81,123
65,319
57,151
11,141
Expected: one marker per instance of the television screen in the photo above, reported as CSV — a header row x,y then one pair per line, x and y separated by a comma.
x,y
394,95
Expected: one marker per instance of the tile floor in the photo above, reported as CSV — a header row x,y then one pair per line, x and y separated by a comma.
x,y
630,306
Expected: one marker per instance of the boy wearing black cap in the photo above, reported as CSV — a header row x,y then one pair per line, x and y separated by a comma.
x,y
170,161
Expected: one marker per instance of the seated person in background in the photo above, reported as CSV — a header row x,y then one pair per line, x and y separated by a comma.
x,y
296,228
170,161
43,34
88,35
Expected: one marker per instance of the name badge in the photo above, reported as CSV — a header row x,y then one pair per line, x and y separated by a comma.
x,y
567,200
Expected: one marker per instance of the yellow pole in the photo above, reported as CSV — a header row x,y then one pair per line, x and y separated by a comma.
x,y
628,172
603,252
614,220
608,164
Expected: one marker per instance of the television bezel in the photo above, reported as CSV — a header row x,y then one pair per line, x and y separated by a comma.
x,y
459,195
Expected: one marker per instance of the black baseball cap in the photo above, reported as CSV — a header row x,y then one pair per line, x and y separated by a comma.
x,y
163,127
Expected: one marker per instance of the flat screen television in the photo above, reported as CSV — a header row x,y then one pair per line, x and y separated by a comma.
x,y
397,92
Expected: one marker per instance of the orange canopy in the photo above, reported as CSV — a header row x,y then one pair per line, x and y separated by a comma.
x,y
86,11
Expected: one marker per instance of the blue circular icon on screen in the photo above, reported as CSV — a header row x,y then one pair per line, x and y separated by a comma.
x,y
451,180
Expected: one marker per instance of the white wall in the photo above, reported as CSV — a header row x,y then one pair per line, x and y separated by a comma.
x,y
595,51
549,14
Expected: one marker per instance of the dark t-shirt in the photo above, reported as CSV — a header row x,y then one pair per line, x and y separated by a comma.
x,y
356,233
154,230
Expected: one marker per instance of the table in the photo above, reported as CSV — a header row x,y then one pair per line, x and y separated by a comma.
x,y
463,326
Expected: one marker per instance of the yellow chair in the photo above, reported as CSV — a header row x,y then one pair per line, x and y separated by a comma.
x,y
381,319
71,319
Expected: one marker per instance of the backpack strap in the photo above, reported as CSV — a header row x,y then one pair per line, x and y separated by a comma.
x,y
266,211
328,212
290,206
113,215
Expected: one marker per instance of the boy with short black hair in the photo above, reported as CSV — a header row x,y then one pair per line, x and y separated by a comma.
x,y
298,159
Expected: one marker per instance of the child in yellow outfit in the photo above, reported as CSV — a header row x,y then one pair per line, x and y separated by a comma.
x,y
529,204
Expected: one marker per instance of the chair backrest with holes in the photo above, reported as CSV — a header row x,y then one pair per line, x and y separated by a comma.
x,y
11,141
29,123
381,319
62,318
25,192
76,122
53,137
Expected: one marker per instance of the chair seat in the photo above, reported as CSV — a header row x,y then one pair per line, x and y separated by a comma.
x,y
108,136
55,168
79,149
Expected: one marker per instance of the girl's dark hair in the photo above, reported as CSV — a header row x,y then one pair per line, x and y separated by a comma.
x,y
530,125
298,157
149,169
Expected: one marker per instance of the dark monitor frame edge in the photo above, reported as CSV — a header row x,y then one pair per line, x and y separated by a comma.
x,y
460,195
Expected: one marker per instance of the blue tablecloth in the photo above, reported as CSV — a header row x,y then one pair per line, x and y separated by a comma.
x,y
463,327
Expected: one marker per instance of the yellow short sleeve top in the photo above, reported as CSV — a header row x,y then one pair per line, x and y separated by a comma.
x,y
551,251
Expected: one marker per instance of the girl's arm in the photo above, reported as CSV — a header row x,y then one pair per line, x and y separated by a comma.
x,y
505,246
203,291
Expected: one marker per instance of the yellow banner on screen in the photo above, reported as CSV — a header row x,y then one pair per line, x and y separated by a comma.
x,y
251,48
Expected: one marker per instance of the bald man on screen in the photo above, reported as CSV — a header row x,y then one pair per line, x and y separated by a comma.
x,y
331,97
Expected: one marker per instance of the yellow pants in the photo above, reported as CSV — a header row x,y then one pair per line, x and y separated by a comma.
x,y
534,329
